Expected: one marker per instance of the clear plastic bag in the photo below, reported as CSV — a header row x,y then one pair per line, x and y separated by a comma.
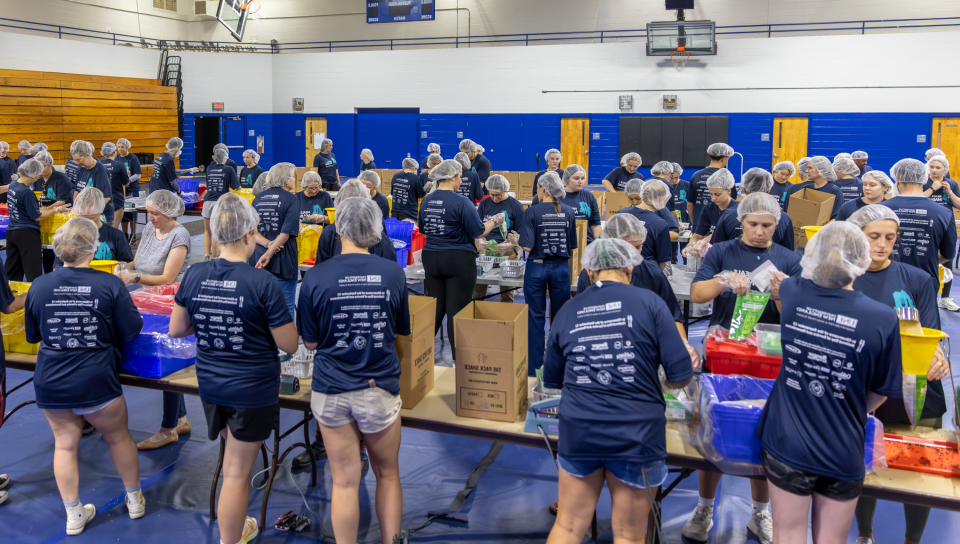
x,y
12,324
155,300
721,334
874,451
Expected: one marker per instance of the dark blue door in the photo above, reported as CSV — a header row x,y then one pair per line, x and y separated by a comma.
x,y
391,137
234,129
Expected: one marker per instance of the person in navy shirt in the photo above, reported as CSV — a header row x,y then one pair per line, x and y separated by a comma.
x,y
230,162
72,170
552,157
134,171
76,376
782,186
662,171
366,161
278,230
470,186
821,178
860,158
642,196
406,191
24,256
8,169
678,190
698,197
117,174
329,245
549,235
617,179
164,172
845,363
479,164
939,188
432,162
756,180
251,171
220,179
56,187
612,422
847,180
432,149
92,173
371,180
326,164
113,244
582,201
24,148
501,202
719,187
451,225
802,165
876,185
313,200
238,374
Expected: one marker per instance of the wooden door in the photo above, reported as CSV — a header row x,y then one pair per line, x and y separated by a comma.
x,y
946,137
789,141
315,130
575,142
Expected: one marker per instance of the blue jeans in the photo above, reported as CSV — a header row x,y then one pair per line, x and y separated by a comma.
x,y
174,407
289,288
539,278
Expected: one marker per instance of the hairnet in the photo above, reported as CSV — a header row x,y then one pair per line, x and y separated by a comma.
x,y
310,178
327,142
933,152
124,142
552,186
625,227
4,145
232,217
82,148
36,148
166,202
281,173
824,167
108,149
846,166
759,203
370,177
633,187
785,165
843,156
433,148
872,213
881,178
44,157
909,171
367,153
546,156
221,154
655,193
360,221
446,170
857,155
721,179
941,159
351,189
220,146
76,239
630,157
410,164
261,184
497,183
571,171
174,143
478,148
89,202
610,254
677,169
432,159
757,180
836,256
253,154
719,150
466,145
24,143
463,159
802,168
662,168
31,168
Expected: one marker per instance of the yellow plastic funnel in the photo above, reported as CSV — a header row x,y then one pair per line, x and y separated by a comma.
x,y
811,231
330,213
917,351
103,266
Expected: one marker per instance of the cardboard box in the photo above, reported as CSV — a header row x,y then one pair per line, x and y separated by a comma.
x,y
575,266
956,220
601,196
616,201
416,352
809,208
491,361
386,179
512,177
525,188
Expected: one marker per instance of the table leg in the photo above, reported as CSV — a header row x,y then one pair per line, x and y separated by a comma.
x,y
4,415
277,460
686,316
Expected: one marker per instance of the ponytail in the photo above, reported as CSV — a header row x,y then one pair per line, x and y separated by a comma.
x,y
832,272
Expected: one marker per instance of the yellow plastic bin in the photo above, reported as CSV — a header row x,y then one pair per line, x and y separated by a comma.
x,y
330,213
245,193
104,266
14,333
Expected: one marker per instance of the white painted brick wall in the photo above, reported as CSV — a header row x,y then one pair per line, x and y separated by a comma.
x,y
243,81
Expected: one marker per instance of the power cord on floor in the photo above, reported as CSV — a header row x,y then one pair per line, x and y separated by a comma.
x,y
323,529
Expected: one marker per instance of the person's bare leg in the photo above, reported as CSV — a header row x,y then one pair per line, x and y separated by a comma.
x,y
343,454
238,460
578,501
831,519
790,513
67,429
760,490
629,512
383,448
207,237
117,217
112,424
707,483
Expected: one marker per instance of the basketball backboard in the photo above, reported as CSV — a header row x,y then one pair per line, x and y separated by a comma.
x,y
696,37
233,15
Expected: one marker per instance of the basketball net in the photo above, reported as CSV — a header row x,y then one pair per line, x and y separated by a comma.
x,y
680,58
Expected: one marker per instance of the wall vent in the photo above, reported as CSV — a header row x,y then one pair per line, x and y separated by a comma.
x,y
200,8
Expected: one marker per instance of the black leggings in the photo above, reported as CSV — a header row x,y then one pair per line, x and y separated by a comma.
x,y
450,278
24,255
946,289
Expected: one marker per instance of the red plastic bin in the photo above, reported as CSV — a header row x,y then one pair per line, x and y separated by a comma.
x,y
728,358
4,210
922,455
416,244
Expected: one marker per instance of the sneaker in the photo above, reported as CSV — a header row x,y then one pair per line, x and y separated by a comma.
x,y
947,304
4,480
136,506
761,525
864,540
250,531
700,523
80,517
3,496
364,460
302,461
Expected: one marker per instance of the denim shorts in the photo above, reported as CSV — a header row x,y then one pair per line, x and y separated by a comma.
x,y
628,472
373,409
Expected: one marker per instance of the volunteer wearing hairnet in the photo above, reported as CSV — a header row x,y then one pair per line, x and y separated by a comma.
x,y
238,376
279,212
371,180
24,258
8,305
131,164
622,443
876,184
501,202
432,162
24,148
117,173
76,376
356,378
822,177
479,164
899,285
406,191
582,201
811,464
56,187
451,225
326,164
860,158
313,200
329,245
730,226
617,179
662,171
782,172
432,149
470,185
113,244
642,195
164,175
846,171
552,157
938,187
230,162
251,172
8,169
92,174
678,189
261,184
720,189
220,179
698,197
366,161
931,153
549,235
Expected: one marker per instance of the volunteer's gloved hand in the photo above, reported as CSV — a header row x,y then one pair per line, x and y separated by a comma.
x,y
127,276
776,278
735,281
482,245
318,218
503,248
695,358
939,367
513,237
499,219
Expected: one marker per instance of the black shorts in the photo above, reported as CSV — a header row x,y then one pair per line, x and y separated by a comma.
x,y
246,424
799,482
401,216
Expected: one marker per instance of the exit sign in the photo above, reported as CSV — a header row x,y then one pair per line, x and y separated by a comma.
x,y
218,106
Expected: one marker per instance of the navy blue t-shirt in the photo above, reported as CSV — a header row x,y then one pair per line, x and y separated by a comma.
x,y
646,275
736,256
669,218
424,179
113,247
406,190
132,164
470,186
6,299
830,188
232,309
72,171
97,177
510,207
710,217
851,188
619,177
354,306
316,205
249,176
656,246
329,246
730,228
364,166
58,187
279,214
699,195
781,191
679,198
939,196
24,209
584,204
382,203
8,167
81,317
117,173
849,208
536,178
326,165
838,345
449,221
220,179
164,174
481,165
926,229
22,159
548,234
604,349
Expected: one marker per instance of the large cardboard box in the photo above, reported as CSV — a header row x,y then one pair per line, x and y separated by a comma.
x,y
416,352
809,208
575,266
525,188
491,360
601,196
386,179
616,201
512,177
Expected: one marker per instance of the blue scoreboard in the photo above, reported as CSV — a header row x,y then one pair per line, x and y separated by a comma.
x,y
400,11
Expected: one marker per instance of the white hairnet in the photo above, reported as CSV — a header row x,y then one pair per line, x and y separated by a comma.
x,y
76,239
625,227
479,149
124,142
174,144
551,152
24,143
36,148
843,156
630,157
360,221
281,173
351,189
785,165
89,202
81,148
633,187
846,166
232,217
857,155
463,159
433,148
932,152
310,178
759,203
262,183
44,157
367,153
4,145
836,256
880,178
872,213
571,171
721,179
677,169
757,180
410,164
661,169
909,171
610,254
31,168
166,202
446,170
466,145
552,186
432,159
221,145
327,142
941,159
719,150
220,155
108,148
802,168
497,183
370,177
655,193
824,167
253,154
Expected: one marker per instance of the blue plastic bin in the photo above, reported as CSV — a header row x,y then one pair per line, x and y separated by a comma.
x,y
730,428
399,230
154,354
189,185
402,255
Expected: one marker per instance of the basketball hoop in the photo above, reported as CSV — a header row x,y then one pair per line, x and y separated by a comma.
x,y
680,58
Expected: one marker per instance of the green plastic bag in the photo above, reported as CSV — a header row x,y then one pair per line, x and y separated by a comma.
x,y
746,314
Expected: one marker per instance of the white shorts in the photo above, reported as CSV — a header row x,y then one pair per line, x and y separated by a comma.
x,y
93,409
372,408
207,211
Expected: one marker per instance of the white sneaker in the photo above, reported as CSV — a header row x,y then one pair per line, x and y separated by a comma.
x,y
136,506
3,496
4,480
700,523
947,304
78,517
864,540
761,525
